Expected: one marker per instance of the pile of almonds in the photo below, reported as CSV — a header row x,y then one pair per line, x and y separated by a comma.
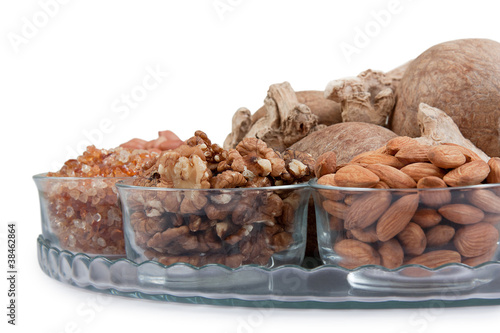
x,y
431,227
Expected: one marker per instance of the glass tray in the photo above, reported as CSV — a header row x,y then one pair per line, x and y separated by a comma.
x,y
326,286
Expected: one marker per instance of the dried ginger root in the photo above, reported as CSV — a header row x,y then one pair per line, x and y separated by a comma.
x,y
284,119
369,97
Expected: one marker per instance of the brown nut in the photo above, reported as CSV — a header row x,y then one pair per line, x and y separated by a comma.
x,y
391,254
355,176
427,217
484,199
395,219
412,153
394,145
434,198
420,170
446,157
355,253
377,158
471,173
475,240
461,213
436,258
439,235
335,208
391,176
367,235
333,194
326,163
366,209
412,239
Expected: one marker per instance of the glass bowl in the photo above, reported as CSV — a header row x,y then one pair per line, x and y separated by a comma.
x,y
394,228
231,227
82,214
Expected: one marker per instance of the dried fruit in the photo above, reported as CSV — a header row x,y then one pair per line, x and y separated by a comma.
x,y
326,163
484,199
436,258
391,254
446,157
475,240
394,145
366,209
421,170
439,235
354,253
367,235
335,208
427,217
377,158
412,239
391,176
355,176
436,197
461,213
471,173
395,219
413,153
329,180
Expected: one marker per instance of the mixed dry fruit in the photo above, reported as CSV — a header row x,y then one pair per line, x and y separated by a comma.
x,y
217,226
429,227
84,212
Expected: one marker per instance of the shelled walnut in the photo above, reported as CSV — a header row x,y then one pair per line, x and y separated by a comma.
x,y
188,208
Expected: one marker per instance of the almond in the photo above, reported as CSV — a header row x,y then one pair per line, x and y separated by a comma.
x,y
475,240
335,208
381,185
491,218
434,198
461,213
436,258
474,261
367,235
355,176
395,219
394,145
325,164
412,239
355,253
439,235
413,153
391,176
332,194
469,154
471,173
391,254
366,209
420,170
377,158
335,223
484,199
446,157
427,217
494,175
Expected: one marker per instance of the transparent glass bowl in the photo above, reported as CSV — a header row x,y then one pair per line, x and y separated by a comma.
x,y
231,227
82,214
361,227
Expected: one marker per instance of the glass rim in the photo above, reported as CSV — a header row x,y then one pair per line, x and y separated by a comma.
x,y
314,184
121,185
43,176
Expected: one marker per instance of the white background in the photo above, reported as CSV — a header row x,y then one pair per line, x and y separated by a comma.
x,y
64,77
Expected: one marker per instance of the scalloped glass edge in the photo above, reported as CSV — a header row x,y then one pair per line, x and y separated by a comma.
x,y
290,286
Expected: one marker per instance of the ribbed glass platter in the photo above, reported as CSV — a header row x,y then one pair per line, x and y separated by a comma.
x,y
325,286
